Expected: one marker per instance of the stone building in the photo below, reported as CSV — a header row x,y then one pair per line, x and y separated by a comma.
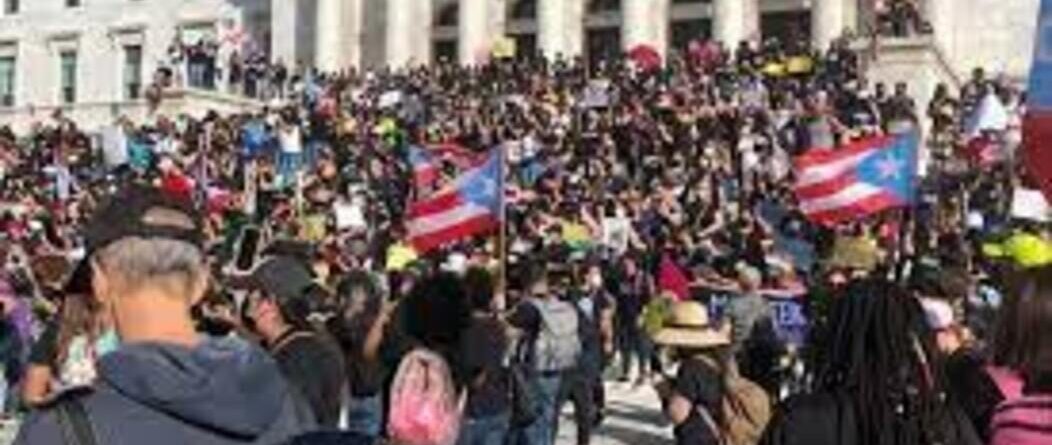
x,y
98,54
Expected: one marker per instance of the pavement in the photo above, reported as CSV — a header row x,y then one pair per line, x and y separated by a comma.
x,y
633,417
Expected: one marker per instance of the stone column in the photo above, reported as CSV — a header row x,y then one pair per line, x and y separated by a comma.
x,y
329,37
353,33
420,31
398,32
645,22
735,20
474,37
560,27
827,22
283,19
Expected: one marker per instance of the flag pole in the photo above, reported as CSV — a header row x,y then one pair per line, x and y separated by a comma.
x,y
502,237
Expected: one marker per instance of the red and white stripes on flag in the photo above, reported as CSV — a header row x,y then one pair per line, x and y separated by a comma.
x,y
445,218
473,204
857,180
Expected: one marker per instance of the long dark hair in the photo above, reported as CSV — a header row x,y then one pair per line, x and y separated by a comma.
x,y
1023,336
879,357
79,315
352,329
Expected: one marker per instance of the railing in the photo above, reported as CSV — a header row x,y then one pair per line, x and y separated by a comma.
x,y
883,44
91,115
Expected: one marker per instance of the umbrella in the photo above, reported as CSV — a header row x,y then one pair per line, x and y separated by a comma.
x,y
645,57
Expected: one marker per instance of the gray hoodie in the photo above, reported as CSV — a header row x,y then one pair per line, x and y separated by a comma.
x,y
223,391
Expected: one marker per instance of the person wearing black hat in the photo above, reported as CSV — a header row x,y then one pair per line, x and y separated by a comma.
x,y
165,383
278,305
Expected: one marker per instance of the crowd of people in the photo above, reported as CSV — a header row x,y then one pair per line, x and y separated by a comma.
x,y
233,64
248,278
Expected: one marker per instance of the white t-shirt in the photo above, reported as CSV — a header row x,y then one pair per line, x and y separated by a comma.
x,y
290,140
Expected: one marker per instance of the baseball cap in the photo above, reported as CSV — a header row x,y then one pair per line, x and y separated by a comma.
x,y
284,278
143,212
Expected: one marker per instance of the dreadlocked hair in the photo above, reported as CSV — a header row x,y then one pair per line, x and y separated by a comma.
x,y
878,358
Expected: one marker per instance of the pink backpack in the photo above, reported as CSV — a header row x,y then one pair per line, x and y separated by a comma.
x,y
1019,419
425,408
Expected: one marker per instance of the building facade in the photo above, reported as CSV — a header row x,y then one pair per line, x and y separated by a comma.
x,y
84,53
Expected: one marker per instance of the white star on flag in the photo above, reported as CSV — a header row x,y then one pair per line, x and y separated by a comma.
x,y
889,167
487,187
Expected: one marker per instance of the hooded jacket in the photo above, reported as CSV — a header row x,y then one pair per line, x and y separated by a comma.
x,y
224,391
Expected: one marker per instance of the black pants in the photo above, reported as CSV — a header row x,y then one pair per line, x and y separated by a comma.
x,y
580,388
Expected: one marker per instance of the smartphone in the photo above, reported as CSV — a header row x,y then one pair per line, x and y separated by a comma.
x,y
247,248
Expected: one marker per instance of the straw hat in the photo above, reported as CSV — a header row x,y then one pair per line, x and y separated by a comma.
x,y
689,327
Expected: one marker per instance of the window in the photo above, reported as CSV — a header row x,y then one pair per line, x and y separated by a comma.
x,y
7,81
132,71
444,50
72,3
604,5
448,16
522,10
10,6
68,73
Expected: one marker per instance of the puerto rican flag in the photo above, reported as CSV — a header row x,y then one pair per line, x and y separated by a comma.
x,y
1037,124
472,205
858,180
425,169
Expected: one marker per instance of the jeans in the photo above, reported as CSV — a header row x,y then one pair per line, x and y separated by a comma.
x,y
634,345
289,165
365,416
485,431
542,432
579,387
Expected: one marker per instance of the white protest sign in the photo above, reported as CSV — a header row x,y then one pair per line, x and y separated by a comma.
x,y
1031,205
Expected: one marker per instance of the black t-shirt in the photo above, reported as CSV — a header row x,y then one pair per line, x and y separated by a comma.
x,y
701,384
315,368
589,310
483,349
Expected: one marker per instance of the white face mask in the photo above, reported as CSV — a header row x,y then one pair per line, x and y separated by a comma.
x,y
595,281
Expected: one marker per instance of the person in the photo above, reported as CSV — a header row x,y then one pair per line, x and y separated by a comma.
x,y
148,270
485,349
1016,378
878,375
277,310
360,329
754,341
695,398
632,289
549,326
65,355
583,385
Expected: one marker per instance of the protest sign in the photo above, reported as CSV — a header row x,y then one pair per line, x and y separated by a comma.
x,y
1030,205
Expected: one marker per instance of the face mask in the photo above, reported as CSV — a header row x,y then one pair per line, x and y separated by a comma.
x,y
107,342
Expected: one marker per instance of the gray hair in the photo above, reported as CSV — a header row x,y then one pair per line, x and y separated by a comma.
x,y
139,262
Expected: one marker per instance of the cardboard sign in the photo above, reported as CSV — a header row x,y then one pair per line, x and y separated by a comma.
x,y
596,94
390,99
1030,205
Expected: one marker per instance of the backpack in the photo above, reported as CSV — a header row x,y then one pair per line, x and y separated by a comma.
x,y
557,346
424,406
746,411
1020,419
